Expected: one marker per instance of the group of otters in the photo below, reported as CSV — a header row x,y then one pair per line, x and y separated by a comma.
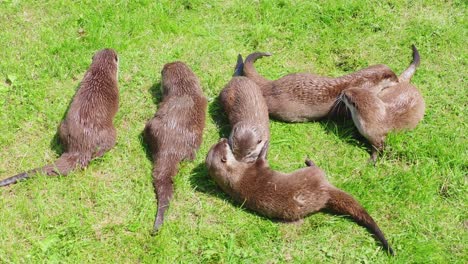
x,y
379,101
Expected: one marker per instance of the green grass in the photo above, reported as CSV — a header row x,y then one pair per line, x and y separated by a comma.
x,y
417,193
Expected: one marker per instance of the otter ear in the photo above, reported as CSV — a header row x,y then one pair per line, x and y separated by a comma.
x,y
223,159
264,151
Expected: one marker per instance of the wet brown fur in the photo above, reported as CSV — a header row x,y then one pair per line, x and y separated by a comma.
x,y
175,132
300,97
283,196
247,112
87,131
376,112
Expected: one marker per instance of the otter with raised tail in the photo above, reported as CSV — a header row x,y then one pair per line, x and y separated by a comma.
x,y
301,97
379,110
87,132
247,112
175,132
283,196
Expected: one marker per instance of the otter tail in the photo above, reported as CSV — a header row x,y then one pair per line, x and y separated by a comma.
x,y
309,162
249,69
409,72
239,69
343,203
62,166
165,168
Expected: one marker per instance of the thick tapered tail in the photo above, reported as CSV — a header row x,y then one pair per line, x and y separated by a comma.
x,y
343,203
239,69
409,72
165,168
62,166
249,69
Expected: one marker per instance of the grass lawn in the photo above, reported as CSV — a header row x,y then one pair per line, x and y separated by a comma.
x,y
417,193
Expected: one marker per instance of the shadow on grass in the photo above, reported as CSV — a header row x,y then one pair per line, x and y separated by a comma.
x,y
343,127
202,182
346,131
156,91
219,117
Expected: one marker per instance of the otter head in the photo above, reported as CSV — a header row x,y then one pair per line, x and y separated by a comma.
x,y
221,164
177,79
225,169
364,103
106,59
367,110
246,142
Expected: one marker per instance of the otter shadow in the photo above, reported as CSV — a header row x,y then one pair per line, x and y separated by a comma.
x,y
346,131
201,181
55,143
156,91
219,117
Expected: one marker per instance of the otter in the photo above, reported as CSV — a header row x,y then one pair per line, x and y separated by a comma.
x,y
87,132
283,196
301,97
247,112
175,132
379,110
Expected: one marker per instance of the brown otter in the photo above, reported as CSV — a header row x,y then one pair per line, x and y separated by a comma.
x,y
175,132
284,196
377,111
87,131
247,112
300,97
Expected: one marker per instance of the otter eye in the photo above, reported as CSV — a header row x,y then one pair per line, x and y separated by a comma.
x,y
223,159
116,58
258,142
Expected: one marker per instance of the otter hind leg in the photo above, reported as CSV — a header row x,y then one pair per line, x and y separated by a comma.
x,y
106,142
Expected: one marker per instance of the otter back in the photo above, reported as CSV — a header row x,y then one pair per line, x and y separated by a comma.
x,y
87,131
175,132
247,112
301,97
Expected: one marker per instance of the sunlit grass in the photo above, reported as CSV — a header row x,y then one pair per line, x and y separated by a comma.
x,y
416,193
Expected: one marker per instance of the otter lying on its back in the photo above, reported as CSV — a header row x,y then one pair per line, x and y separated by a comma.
x,y
285,196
